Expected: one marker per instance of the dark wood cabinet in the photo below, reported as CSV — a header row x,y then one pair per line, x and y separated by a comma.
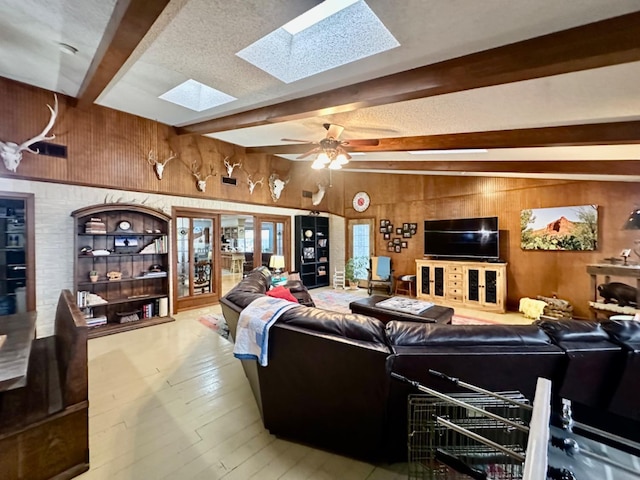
x,y
312,250
17,276
122,268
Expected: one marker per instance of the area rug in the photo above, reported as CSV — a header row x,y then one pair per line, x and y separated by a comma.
x,y
335,300
217,323
462,320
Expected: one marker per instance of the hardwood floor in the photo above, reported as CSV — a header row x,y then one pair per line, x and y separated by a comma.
x,y
171,402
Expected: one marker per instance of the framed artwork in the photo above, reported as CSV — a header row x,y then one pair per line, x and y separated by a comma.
x,y
390,249
390,228
390,244
383,229
384,222
406,234
413,226
404,244
559,228
396,241
398,231
387,236
405,226
413,231
398,248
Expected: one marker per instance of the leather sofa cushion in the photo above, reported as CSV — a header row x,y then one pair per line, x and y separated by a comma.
x,y
352,326
625,332
436,335
573,330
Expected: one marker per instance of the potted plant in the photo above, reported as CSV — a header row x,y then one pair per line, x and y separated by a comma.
x,y
353,266
93,276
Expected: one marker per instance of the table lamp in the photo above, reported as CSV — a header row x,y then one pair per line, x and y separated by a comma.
x,y
276,263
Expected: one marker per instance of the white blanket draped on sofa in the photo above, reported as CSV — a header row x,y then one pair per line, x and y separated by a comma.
x,y
252,334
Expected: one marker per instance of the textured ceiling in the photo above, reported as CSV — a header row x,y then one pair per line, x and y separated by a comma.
x,y
199,39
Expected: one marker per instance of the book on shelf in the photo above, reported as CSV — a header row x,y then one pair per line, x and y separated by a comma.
x,y
95,321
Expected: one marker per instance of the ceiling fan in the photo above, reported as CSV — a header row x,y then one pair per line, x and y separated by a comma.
x,y
331,149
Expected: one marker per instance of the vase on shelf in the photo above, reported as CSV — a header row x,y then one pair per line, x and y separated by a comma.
x,y
93,276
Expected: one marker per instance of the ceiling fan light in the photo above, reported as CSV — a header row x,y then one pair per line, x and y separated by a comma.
x,y
335,165
342,159
317,164
323,158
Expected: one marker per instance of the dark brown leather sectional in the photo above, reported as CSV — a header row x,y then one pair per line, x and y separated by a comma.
x,y
328,384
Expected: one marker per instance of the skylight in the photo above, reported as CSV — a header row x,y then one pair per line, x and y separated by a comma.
x,y
196,96
334,33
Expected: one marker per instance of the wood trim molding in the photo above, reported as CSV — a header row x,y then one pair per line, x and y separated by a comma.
x,y
575,167
607,42
611,133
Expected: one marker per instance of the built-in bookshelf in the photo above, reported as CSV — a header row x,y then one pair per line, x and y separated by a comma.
x,y
121,267
312,250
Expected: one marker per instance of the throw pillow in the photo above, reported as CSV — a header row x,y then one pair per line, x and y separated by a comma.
x,y
282,292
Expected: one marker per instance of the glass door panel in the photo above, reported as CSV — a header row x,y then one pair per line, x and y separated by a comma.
x,y
202,256
275,239
184,265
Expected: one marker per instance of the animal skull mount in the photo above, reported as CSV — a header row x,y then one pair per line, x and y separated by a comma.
x,y
230,167
276,185
201,182
11,153
317,197
158,166
252,185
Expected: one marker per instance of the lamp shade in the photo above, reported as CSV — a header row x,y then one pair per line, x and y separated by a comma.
x,y
276,262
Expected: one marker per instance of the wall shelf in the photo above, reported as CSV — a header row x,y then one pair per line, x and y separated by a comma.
x,y
147,296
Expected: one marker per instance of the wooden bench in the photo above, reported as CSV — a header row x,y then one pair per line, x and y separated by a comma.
x,y
44,426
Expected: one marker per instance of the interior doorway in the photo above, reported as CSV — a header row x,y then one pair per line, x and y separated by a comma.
x,y
248,242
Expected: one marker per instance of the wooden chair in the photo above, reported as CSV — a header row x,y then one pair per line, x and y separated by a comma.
x,y
338,278
375,281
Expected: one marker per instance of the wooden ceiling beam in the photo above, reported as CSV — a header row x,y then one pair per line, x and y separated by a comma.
x,y
574,167
612,133
607,42
129,23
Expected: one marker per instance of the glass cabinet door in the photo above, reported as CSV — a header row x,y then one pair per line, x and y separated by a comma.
x,y
17,281
197,242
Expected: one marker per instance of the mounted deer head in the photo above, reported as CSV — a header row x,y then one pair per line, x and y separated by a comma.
x,y
230,167
201,182
252,185
276,185
11,153
317,197
158,166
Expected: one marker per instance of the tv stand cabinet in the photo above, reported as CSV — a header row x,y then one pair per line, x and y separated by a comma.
x,y
479,285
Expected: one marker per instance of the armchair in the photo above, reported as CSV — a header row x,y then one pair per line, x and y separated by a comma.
x,y
380,274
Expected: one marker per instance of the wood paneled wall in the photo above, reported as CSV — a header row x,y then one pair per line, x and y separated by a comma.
x,y
408,198
107,148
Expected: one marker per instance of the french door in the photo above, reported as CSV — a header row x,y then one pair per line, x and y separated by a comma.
x,y
275,239
361,241
197,255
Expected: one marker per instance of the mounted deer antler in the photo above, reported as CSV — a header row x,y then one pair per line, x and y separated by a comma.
x,y
276,185
230,167
317,197
252,185
11,153
158,166
202,182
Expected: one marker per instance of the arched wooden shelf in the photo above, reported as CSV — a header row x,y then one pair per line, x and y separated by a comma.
x,y
132,252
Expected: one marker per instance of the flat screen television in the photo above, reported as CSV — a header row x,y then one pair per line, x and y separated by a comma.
x,y
475,238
